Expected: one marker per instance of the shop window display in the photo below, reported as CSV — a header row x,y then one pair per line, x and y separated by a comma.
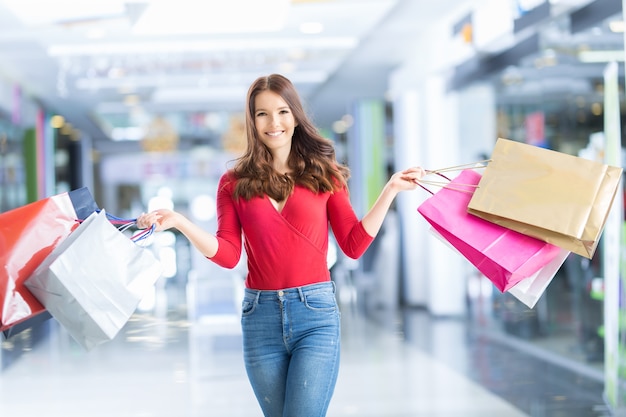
x,y
12,181
553,101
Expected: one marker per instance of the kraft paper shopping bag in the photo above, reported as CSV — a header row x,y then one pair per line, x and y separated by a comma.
x,y
559,198
504,256
94,280
27,235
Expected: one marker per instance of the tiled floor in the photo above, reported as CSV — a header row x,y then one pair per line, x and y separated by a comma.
x,y
168,363
516,371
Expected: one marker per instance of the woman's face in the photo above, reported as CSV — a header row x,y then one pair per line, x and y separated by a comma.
x,y
274,121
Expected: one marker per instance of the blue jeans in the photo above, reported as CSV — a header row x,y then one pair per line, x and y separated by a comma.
x,y
291,348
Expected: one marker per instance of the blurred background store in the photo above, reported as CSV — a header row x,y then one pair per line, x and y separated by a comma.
x,y
141,101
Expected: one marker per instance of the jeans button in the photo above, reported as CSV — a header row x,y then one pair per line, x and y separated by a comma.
x,y
281,293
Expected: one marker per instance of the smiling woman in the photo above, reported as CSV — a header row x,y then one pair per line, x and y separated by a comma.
x,y
278,202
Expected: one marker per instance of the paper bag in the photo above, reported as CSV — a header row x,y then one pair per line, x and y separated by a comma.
x,y
94,280
559,198
504,256
27,235
529,290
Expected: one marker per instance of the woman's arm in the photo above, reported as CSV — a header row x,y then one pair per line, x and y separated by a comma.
x,y
354,235
165,219
400,181
224,247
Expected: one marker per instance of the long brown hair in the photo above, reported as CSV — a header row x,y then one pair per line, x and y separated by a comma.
x,y
312,157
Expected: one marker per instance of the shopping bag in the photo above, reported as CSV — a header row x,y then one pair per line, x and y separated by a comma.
x,y
529,290
94,280
504,256
559,198
27,235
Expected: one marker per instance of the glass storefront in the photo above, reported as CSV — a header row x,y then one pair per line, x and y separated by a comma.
x,y
555,99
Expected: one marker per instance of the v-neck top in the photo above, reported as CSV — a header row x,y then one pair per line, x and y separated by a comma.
x,y
289,248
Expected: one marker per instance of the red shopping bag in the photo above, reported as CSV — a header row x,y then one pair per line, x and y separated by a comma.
x,y
27,235
504,256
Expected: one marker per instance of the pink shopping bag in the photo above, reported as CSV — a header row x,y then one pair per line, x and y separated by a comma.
x,y
504,256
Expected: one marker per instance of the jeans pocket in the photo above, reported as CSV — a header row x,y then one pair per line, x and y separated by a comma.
x,y
248,305
321,301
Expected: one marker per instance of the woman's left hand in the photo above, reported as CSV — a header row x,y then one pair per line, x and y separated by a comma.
x,y
407,179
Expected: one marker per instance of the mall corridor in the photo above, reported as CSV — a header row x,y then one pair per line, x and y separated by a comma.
x,y
147,104
183,359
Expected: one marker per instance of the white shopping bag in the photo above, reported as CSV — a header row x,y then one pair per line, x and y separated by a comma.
x,y
530,289
93,281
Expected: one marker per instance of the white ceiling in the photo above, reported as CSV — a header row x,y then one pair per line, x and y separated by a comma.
x,y
88,60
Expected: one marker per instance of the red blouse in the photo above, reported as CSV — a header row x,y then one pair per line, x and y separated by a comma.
x,y
288,248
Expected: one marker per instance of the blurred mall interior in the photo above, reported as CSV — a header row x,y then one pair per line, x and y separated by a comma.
x,y
142,103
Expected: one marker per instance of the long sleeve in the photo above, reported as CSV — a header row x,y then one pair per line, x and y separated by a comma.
x,y
347,228
288,248
228,225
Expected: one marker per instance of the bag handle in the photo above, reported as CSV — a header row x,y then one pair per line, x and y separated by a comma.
x,y
124,224
470,165
441,184
448,185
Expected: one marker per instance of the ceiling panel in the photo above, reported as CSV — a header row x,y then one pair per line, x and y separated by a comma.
x,y
106,60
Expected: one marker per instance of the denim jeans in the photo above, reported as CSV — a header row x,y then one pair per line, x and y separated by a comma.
x,y
291,348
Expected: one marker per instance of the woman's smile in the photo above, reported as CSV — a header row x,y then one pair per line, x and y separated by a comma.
x,y
274,122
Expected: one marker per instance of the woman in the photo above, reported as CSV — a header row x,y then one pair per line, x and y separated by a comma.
x,y
281,196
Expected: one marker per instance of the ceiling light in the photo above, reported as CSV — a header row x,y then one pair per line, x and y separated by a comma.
x,y
126,88
193,81
596,109
591,57
311,28
196,95
196,17
617,26
96,33
57,121
286,67
127,133
230,45
37,12
132,100
340,127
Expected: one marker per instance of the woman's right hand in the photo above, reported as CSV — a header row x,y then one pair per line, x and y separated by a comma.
x,y
163,219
